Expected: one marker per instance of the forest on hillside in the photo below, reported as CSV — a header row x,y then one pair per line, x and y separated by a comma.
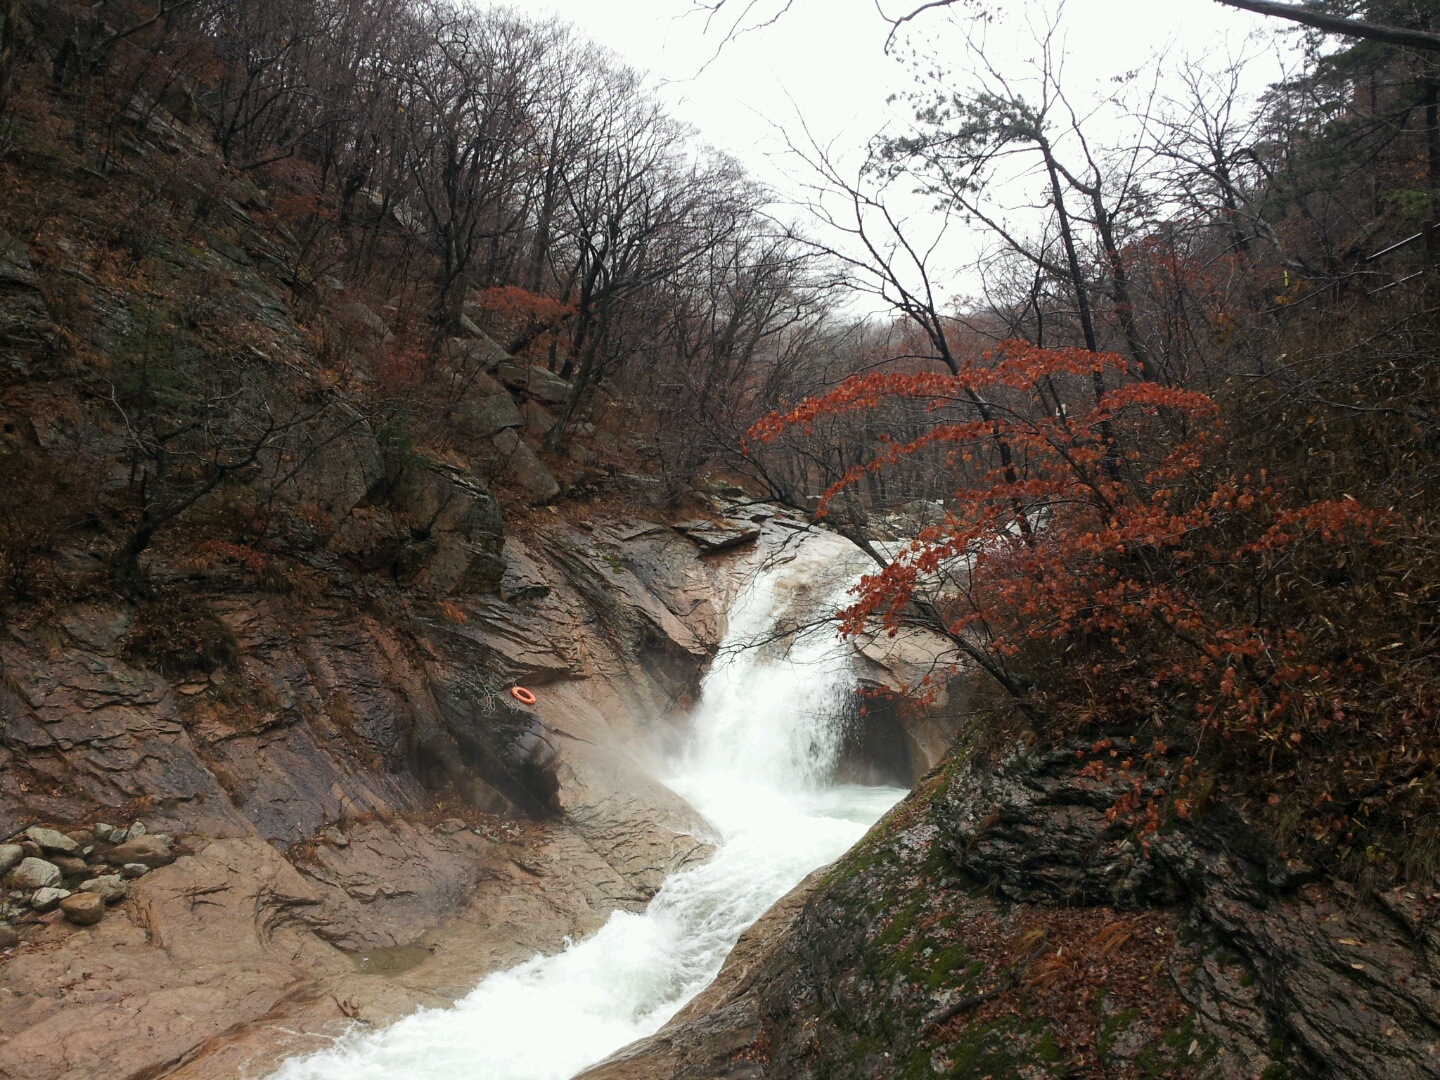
x,y
1170,473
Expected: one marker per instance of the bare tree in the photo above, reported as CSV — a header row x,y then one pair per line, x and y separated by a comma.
x,y
195,422
468,114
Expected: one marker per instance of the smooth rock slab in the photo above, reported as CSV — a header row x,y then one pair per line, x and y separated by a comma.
x,y
50,840
523,577
34,874
83,909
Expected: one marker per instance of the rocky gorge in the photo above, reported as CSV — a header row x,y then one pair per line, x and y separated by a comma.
x,y
284,524
267,780
391,828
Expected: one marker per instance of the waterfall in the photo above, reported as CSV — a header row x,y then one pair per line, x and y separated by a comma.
x,y
765,738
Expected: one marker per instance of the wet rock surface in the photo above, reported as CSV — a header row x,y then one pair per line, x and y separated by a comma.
x,y
999,923
289,795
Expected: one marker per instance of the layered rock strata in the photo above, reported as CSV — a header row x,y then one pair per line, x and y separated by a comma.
x,y
369,823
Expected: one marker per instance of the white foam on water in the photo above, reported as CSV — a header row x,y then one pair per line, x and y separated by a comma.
x,y
766,735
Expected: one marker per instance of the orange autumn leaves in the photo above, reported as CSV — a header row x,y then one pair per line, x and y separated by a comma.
x,y
1095,538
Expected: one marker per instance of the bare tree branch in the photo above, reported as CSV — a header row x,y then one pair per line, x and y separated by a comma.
x,y
1309,15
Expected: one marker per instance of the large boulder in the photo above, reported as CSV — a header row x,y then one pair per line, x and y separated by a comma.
x,y
524,466
720,534
488,416
10,855
539,420
345,463
32,874
539,383
83,909
457,529
479,350
52,841
362,322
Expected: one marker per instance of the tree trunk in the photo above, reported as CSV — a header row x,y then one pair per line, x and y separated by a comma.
x,y
9,40
125,574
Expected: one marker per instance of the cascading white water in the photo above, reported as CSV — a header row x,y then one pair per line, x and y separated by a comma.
x,y
766,736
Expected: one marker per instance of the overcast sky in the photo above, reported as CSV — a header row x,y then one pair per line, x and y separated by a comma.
x,y
825,60
825,57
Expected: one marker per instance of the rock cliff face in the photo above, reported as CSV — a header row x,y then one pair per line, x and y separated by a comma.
x,y
368,821
998,924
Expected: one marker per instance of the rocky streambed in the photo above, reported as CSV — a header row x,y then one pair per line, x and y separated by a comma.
x,y
363,822
76,873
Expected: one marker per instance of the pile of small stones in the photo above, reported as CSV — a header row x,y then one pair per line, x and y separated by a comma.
x,y
77,872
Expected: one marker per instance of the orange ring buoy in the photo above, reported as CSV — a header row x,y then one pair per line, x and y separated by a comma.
x,y
520,694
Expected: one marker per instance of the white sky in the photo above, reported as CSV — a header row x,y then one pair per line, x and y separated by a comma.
x,y
824,60
827,56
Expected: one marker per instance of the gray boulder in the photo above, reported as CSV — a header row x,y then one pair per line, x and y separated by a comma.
x,y
480,350
48,899
488,415
721,535
34,873
10,855
111,887
525,468
539,383
539,420
50,840
361,320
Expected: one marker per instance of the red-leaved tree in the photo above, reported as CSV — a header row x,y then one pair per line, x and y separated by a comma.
x,y
1098,556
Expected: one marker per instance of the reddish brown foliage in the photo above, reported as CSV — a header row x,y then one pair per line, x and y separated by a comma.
x,y
1094,542
530,322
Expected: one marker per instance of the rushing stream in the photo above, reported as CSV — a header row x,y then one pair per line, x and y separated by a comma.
x,y
766,736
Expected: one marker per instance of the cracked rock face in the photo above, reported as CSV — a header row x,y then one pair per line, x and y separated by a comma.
x,y
326,739
26,331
